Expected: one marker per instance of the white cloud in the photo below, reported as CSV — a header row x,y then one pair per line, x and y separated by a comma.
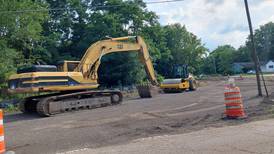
x,y
217,22
229,38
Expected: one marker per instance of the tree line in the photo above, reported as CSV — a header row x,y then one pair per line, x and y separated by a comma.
x,y
220,60
48,31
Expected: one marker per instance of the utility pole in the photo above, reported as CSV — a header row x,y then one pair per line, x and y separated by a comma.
x,y
254,54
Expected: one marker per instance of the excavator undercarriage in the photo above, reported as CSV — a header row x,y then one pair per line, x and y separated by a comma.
x,y
50,104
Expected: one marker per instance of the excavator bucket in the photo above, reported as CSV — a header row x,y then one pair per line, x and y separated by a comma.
x,y
147,90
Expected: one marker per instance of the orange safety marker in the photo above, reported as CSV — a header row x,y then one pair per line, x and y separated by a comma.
x,y
233,102
2,141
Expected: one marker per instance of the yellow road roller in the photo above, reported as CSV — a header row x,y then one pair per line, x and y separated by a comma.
x,y
179,81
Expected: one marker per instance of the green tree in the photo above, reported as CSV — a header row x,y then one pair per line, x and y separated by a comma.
x,y
183,48
264,41
209,65
242,54
8,60
22,30
224,57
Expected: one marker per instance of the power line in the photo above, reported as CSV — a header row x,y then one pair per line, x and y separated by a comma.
x,y
93,7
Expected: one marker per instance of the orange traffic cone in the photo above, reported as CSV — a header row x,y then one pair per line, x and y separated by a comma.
x,y
233,103
2,141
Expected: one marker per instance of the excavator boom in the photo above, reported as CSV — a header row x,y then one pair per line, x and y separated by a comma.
x,y
90,62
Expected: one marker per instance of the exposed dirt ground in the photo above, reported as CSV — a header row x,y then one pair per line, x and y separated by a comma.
x,y
135,118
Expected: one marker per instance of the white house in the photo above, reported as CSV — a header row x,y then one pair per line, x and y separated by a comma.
x,y
268,67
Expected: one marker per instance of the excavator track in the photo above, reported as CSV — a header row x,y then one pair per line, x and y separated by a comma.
x,y
51,104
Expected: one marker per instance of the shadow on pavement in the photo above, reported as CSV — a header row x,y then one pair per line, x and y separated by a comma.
x,y
19,117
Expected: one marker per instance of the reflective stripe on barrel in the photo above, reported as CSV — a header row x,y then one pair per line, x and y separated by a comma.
x,y
232,93
234,106
233,98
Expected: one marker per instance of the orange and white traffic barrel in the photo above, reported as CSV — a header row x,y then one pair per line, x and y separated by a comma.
x,y
2,141
233,103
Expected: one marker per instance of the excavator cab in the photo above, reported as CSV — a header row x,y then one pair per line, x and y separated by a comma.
x,y
67,66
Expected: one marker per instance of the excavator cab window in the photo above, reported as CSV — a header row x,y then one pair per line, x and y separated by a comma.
x,y
67,66
72,65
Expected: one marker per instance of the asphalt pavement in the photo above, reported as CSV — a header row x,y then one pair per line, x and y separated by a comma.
x,y
251,138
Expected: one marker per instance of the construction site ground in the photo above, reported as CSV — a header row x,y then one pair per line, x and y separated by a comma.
x,y
136,118
250,138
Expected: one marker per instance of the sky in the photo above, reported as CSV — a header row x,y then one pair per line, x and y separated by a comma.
x,y
216,22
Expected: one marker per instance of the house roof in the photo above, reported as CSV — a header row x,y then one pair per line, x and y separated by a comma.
x,y
269,61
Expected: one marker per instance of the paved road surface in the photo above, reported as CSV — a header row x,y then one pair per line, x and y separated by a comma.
x,y
252,138
164,114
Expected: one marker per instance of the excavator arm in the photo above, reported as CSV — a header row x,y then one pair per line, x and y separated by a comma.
x,y
90,62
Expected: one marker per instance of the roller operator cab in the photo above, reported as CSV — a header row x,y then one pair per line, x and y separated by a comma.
x,y
180,80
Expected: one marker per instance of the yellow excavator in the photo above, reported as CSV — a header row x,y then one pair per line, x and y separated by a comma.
x,y
71,85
